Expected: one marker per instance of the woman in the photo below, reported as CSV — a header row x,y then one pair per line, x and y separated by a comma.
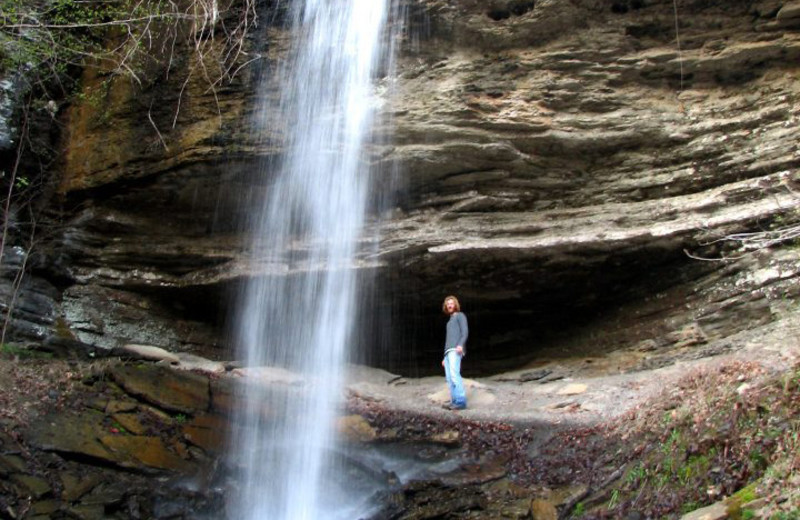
x,y
455,348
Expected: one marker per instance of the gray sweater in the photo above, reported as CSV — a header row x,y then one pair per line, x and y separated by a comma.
x,y
457,332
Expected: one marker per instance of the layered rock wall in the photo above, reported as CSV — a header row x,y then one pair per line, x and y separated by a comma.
x,y
550,162
559,159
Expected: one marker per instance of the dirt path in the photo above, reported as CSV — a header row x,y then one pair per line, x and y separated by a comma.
x,y
578,391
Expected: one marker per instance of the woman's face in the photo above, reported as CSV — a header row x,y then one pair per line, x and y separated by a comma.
x,y
450,305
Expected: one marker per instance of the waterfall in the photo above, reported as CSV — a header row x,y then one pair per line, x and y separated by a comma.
x,y
296,315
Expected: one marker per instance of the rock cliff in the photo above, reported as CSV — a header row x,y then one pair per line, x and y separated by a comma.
x,y
557,164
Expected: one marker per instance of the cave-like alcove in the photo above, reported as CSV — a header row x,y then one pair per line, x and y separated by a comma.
x,y
519,309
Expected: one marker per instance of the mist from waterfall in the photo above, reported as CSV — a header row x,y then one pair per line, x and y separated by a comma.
x,y
298,314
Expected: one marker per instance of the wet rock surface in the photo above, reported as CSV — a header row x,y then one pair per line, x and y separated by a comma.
x,y
99,453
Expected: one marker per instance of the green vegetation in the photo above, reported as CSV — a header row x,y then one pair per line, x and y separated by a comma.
x,y
47,45
11,351
43,39
790,515
612,503
44,44
117,428
717,439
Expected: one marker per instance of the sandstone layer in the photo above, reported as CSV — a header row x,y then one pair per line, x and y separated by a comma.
x,y
555,164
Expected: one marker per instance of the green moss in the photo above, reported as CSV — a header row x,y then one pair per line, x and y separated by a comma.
x,y
790,515
680,450
11,351
62,329
744,496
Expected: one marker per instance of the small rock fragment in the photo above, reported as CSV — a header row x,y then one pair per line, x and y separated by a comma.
x,y
75,487
206,432
32,486
447,438
44,507
718,511
534,376
130,422
82,512
573,389
356,429
151,353
116,406
543,510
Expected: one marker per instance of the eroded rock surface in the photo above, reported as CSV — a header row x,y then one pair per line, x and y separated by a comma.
x,y
550,162
554,178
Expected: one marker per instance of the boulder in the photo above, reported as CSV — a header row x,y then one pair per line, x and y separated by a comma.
x,y
12,464
207,432
72,434
542,509
117,406
130,422
32,486
197,364
107,494
355,374
718,511
87,436
172,390
144,452
87,512
45,507
225,395
74,486
355,428
150,352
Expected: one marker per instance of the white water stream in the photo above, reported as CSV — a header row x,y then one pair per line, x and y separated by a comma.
x,y
300,317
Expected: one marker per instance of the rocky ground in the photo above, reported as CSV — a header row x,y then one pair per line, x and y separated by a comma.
x,y
139,436
588,389
719,433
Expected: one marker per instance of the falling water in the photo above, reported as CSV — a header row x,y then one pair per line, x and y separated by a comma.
x,y
297,314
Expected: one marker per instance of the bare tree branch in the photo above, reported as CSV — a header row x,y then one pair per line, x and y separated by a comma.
x,y
155,127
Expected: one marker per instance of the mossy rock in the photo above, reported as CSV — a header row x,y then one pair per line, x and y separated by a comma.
x,y
166,388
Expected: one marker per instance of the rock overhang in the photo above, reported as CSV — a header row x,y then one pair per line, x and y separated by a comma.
x,y
524,168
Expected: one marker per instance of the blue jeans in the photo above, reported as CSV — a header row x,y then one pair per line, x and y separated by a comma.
x,y
452,371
